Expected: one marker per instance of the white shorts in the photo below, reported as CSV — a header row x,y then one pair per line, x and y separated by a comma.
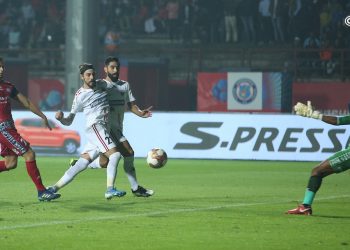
x,y
99,140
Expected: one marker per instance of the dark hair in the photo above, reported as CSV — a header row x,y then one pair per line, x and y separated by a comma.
x,y
1,60
112,59
84,67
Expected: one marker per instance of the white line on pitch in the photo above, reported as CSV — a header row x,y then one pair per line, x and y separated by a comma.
x,y
123,216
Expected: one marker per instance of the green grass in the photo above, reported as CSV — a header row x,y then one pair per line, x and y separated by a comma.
x,y
198,204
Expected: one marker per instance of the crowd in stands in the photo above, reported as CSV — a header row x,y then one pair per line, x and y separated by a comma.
x,y
40,23
32,23
252,22
309,24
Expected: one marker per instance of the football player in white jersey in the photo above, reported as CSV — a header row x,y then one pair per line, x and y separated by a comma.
x,y
117,101
91,98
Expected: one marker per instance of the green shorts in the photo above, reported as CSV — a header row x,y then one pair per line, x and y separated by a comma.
x,y
340,161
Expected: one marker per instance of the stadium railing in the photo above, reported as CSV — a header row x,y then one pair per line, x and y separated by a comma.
x,y
185,62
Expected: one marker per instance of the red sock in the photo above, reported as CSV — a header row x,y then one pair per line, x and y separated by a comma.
x,y
3,166
34,173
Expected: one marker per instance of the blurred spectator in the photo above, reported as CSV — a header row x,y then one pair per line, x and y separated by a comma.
x,y
265,24
325,20
14,37
201,24
298,59
112,41
337,16
51,101
161,18
122,14
142,13
126,14
102,29
312,57
340,40
50,39
28,13
187,17
231,29
326,56
4,31
12,12
215,20
150,26
294,10
55,10
278,10
311,42
172,8
310,17
246,11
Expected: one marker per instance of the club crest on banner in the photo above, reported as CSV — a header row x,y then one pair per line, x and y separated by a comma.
x,y
244,91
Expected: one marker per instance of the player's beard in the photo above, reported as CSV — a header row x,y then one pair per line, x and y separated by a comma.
x,y
91,84
113,77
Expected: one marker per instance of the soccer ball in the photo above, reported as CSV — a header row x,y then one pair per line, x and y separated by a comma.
x,y
157,158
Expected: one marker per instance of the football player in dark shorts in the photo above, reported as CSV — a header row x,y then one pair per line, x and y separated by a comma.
x,y
337,163
12,144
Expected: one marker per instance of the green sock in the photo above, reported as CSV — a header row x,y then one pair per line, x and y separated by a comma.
x,y
312,188
309,197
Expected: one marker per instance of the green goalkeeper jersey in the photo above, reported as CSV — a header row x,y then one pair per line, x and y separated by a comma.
x,y
344,120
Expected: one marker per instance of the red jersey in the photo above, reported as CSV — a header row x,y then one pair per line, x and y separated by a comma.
x,y
7,91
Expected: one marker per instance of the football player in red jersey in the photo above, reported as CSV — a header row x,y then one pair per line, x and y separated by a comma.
x,y
12,144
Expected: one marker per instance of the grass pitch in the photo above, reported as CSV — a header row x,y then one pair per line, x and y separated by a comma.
x,y
198,204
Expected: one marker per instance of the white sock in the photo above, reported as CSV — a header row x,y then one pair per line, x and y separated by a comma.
x,y
130,172
112,169
69,175
95,163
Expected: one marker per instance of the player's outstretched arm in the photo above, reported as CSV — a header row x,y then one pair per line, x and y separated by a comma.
x,y
103,84
29,105
144,113
64,120
307,110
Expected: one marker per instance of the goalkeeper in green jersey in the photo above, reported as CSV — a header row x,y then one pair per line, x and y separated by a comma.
x,y
337,163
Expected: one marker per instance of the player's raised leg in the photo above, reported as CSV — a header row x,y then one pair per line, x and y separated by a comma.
x,y
326,168
70,174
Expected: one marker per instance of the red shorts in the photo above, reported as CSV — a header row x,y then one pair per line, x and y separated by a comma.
x,y
11,142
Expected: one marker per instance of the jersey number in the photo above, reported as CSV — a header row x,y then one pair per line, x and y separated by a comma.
x,y
107,138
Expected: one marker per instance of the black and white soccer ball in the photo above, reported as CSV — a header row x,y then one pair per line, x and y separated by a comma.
x,y
157,158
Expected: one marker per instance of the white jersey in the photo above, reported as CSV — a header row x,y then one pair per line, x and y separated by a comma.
x,y
94,103
117,101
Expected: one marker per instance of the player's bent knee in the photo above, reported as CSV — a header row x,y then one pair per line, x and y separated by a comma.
x,y
322,171
29,155
11,165
128,154
104,163
11,162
